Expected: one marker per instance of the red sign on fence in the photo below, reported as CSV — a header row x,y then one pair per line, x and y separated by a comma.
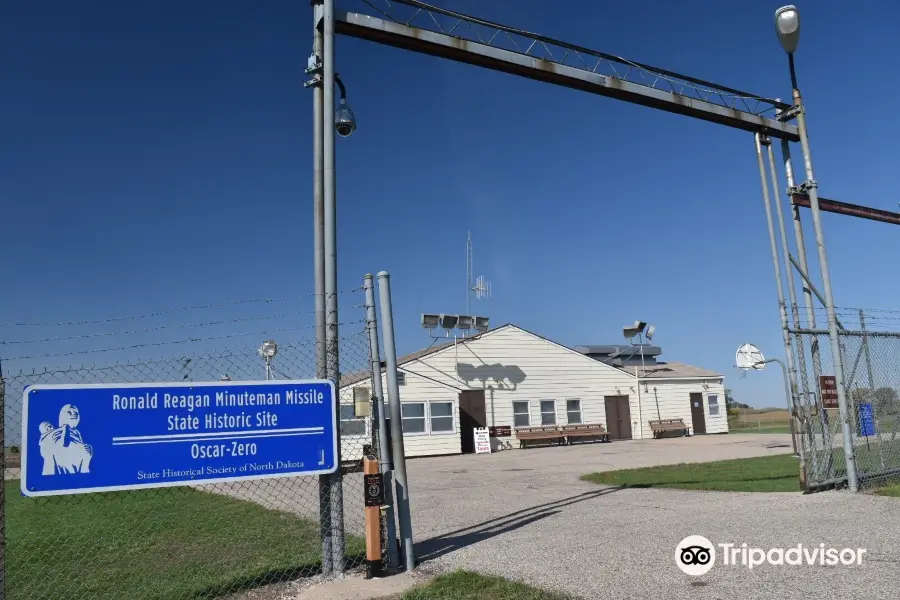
x,y
828,391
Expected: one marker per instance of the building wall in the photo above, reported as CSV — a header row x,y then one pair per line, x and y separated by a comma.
x,y
513,365
416,389
674,403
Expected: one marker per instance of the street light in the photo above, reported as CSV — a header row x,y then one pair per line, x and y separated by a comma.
x,y
787,26
268,350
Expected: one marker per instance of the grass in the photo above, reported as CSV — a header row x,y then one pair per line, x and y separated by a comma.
x,y
465,585
778,473
892,490
167,544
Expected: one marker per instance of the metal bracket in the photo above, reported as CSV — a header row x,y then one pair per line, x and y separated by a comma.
x,y
793,189
787,115
764,139
315,81
808,185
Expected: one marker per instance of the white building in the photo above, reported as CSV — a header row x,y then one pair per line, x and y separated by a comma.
x,y
508,378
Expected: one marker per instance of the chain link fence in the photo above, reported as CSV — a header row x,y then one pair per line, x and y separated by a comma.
x,y
200,541
871,361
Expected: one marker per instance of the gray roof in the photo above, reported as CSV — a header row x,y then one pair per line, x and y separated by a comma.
x,y
669,370
616,348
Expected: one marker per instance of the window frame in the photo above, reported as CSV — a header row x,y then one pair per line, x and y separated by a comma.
x,y
427,416
580,412
353,419
424,418
451,416
555,422
711,404
527,413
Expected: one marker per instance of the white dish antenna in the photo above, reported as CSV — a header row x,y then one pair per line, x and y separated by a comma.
x,y
749,357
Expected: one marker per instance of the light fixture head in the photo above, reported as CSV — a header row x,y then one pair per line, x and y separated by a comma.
x,y
787,26
632,331
344,120
482,323
448,321
465,322
430,321
269,349
650,331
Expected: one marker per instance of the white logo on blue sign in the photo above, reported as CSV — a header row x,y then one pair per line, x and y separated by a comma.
x,y
62,448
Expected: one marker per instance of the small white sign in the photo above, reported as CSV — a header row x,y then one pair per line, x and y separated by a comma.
x,y
482,441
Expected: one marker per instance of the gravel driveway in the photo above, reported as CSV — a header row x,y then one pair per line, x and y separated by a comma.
x,y
527,516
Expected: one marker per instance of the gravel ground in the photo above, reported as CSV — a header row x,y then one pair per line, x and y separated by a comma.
x,y
525,515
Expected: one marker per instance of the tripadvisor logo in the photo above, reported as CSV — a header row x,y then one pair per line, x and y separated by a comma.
x,y
695,555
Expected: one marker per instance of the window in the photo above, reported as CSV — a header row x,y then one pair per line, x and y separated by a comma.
x,y
521,416
441,417
548,412
713,405
413,417
573,411
350,423
401,378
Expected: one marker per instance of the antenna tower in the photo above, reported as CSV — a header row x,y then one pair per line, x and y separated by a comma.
x,y
480,288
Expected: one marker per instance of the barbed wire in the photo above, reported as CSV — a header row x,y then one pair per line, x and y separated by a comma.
x,y
149,329
173,310
167,343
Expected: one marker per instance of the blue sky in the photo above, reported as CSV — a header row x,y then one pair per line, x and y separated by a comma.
x,y
158,156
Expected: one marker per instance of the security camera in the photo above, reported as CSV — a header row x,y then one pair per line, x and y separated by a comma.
x,y
345,121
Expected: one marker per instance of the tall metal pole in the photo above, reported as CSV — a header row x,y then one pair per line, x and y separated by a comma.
x,y
778,281
378,397
792,294
810,312
390,359
319,264
331,278
810,186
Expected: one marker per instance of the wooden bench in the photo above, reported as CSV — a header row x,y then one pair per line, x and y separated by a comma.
x,y
661,426
585,432
539,434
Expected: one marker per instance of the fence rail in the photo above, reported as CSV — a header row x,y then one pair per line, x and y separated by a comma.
x,y
180,542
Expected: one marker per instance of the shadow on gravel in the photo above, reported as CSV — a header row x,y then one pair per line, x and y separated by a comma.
x,y
438,546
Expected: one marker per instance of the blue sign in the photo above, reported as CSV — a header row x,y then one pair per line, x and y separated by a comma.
x,y
866,420
101,438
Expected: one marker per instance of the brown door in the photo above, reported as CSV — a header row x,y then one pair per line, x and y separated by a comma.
x,y
472,414
697,414
618,417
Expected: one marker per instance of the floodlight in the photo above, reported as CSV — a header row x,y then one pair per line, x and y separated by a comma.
x,y
650,331
787,26
465,322
269,349
481,323
639,325
430,321
448,321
